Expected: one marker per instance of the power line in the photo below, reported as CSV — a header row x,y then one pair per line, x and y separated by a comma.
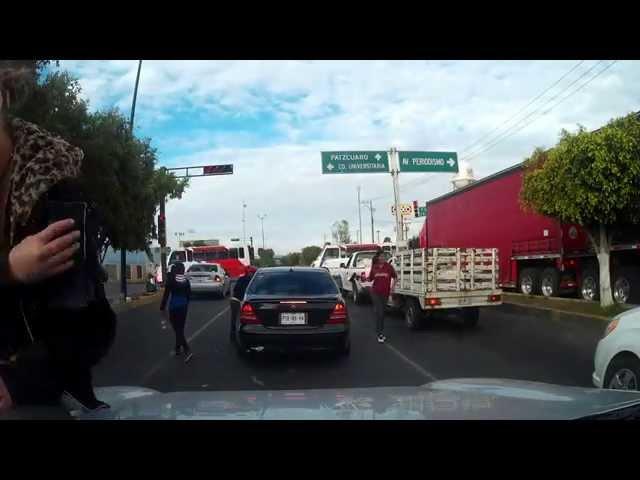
x,y
488,147
523,119
467,148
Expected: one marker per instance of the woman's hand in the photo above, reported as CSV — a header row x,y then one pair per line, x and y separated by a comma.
x,y
45,254
5,398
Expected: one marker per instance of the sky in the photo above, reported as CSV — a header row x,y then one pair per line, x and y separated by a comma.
x,y
272,119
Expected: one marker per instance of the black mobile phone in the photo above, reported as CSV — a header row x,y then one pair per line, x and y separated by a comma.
x,y
78,212
72,289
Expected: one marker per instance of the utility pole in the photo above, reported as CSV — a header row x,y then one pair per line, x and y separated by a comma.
x,y
378,232
373,240
123,249
262,217
359,217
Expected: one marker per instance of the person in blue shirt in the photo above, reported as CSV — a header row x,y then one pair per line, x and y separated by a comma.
x,y
178,292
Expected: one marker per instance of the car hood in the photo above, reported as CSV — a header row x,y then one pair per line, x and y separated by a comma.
x,y
457,399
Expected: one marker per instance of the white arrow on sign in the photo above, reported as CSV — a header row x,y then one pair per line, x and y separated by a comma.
x,y
451,162
378,156
330,167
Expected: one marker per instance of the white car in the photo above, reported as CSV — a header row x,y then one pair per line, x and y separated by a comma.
x,y
617,359
354,272
208,278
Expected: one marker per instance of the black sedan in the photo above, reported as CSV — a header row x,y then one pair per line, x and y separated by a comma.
x,y
292,308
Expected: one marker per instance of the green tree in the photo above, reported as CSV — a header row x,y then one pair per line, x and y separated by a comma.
x,y
292,259
266,257
309,254
591,179
119,169
340,232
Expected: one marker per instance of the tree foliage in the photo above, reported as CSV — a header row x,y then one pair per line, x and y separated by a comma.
x,y
309,254
591,179
119,170
266,258
292,259
340,232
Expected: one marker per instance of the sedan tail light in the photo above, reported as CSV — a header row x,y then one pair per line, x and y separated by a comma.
x,y
339,314
248,314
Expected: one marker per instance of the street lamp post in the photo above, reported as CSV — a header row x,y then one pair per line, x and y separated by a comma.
x,y
369,205
262,217
244,230
123,249
179,235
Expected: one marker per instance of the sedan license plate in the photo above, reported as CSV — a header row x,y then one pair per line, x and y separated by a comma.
x,y
464,301
293,318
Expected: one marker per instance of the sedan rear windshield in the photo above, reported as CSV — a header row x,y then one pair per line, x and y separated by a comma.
x,y
292,283
203,268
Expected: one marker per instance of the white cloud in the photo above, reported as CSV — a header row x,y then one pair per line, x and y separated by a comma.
x,y
340,105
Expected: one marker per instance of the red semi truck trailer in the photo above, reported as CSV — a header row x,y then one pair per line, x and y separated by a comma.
x,y
538,255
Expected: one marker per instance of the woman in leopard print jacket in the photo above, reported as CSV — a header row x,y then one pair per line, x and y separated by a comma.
x,y
46,352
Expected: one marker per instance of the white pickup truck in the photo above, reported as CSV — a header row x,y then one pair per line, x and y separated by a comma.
x,y
353,273
445,278
332,256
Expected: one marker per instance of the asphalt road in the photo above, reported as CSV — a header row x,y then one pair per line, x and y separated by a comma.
x,y
509,342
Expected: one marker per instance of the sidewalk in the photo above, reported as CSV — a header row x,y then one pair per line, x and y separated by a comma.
x,y
134,290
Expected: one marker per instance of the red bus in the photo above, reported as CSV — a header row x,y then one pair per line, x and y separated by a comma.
x,y
232,259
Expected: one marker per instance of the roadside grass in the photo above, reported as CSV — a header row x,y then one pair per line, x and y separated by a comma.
x,y
567,305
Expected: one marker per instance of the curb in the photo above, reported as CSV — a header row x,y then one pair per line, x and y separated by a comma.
x,y
567,312
514,299
136,302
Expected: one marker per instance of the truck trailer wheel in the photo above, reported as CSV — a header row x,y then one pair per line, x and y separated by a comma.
x,y
550,282
471,316
413,315
529,281
625,286
590,284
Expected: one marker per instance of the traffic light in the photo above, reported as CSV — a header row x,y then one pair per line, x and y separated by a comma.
x,y
415,208
162,230
217,169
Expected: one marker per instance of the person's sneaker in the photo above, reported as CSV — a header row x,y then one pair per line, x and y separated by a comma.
x,y
381,339
188,357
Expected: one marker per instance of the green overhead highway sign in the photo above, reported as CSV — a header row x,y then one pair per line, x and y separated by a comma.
x,y
428,161
355,162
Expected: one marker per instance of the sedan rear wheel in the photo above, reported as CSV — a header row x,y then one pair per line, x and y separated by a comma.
x,y
623,373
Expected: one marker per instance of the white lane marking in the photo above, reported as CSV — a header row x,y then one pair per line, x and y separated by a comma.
x,y
406,359
206,325
159,365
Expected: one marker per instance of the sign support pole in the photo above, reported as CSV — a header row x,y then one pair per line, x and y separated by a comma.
x,y
395,170
359,217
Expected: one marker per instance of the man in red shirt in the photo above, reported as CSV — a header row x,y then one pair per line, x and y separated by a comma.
x,y
381,274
